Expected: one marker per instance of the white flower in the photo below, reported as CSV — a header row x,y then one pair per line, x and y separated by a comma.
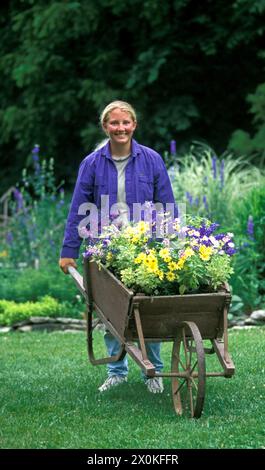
x,y
214,241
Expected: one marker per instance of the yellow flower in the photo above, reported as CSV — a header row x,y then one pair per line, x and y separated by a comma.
x,y
128,231
205,252
151,262
160,274
142,227
180,263
3,254
140,258
167,259
188,253
109,257
135,239
172,265
170,276
164,252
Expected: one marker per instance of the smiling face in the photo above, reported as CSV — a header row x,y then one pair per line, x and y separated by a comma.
x,y
120,127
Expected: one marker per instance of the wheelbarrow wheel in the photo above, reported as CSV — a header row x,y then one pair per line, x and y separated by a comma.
x,y
188,360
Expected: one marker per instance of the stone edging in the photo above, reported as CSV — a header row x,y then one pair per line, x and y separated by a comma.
x,y
48,324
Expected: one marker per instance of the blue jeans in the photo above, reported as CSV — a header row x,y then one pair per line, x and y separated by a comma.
x,y
121,367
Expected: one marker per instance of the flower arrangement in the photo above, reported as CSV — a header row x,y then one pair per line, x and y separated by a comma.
x,y
190,259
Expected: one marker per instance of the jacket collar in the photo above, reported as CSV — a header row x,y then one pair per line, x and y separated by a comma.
x,y
105,151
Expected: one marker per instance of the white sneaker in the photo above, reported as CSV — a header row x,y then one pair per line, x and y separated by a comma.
x,y
112,381
155,384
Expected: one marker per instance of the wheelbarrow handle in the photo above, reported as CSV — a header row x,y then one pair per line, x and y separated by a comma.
x,y
79,280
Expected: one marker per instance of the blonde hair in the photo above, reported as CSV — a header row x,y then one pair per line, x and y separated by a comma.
x,y
113,105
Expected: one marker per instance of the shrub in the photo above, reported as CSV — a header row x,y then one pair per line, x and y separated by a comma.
x,y
231,191
31,284
12,312
38,215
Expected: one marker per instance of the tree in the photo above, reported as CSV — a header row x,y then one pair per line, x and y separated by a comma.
x,y
185,65
241,142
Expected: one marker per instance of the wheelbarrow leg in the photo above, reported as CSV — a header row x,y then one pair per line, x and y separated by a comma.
x,y
105,360
140,354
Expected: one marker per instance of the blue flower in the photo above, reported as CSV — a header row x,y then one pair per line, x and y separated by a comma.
x,y
214,169
250,228
173,149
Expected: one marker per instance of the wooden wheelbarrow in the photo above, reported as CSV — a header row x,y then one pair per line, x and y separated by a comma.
x,y
186,320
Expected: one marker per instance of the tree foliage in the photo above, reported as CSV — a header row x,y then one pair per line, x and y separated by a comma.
x,y
185,65
241,141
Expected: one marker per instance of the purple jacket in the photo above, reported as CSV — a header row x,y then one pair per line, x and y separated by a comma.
x,y
146,179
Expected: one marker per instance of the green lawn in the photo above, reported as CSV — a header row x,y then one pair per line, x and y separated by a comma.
x,y
49,399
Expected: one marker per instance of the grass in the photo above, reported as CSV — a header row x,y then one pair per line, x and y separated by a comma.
x,y
49,399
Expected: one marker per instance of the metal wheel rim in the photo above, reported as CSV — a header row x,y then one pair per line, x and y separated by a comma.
x,y
188,356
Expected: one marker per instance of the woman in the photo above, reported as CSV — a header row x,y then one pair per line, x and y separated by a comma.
x,y
127,173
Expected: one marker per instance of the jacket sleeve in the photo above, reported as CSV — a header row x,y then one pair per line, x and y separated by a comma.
x,y
163,192
83,192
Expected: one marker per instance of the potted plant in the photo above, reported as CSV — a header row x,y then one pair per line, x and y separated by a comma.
x,y
190,259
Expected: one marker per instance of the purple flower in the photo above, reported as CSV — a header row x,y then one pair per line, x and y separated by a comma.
x,y
219,236
214,169
106,242
230,251
222,168
89,252
35,151
35,158
173,150
9,238
207,231
205,203
19,198
189,197
206,242
250,228
212,228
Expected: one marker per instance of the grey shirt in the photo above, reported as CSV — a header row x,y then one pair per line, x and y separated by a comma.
x,y
121,163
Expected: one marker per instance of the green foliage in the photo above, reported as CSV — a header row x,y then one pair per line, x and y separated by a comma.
x,y
241,142
236,309
216,183
39,211
249,266
219,270
12,312
229,191
61,62
32,284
